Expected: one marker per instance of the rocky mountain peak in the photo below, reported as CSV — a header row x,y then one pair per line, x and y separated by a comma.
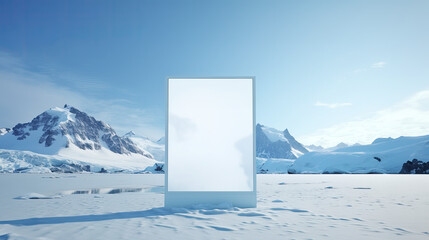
x,y
68,126
272,143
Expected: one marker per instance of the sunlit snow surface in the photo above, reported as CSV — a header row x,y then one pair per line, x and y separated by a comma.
x,y
121,206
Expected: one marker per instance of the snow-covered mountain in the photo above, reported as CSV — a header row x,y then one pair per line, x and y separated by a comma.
x,y
273,143
61,137
384,155
276,150
156,148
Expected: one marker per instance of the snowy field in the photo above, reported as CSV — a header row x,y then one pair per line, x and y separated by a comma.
x,y
126,206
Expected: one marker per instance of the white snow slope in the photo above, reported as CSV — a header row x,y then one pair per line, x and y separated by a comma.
x,y
392,153
130,206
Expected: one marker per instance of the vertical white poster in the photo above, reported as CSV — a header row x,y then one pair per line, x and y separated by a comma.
x,y
210,142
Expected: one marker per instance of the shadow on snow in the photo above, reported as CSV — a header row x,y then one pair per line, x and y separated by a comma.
x,y
153,212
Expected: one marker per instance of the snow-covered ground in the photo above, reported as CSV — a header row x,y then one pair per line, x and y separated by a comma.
x,y
130,206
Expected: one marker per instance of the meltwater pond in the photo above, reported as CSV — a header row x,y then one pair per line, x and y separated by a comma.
x,y
127,206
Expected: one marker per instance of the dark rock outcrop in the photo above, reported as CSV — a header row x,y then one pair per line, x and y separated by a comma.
x,y
415,167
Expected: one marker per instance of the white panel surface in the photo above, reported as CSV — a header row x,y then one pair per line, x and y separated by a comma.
x,y
210,135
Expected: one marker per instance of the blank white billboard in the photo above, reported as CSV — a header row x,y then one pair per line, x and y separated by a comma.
x,y
210,135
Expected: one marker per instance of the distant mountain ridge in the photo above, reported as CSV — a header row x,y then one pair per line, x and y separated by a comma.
x,y
314,148
69,140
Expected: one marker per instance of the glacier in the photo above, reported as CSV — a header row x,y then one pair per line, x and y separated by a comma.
x,y
384,155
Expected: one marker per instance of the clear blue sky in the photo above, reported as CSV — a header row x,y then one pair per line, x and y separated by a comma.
x,y
318,64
